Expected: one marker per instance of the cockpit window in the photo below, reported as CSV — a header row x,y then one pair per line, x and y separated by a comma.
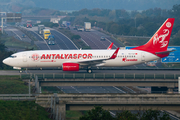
x,y
12,56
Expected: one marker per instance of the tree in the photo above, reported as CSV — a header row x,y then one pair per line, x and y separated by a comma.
x,y
150,115
2,47
154,115
175,11
126,115
75,37
4,54
114,28
97,114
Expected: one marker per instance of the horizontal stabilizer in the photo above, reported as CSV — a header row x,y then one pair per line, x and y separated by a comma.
x,y
164,52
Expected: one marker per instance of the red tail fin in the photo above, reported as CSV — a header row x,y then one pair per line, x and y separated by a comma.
x,y
160,40
110,46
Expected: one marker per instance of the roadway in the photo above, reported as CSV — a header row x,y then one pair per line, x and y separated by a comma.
x,y
62,42
93,39
11,31
16,72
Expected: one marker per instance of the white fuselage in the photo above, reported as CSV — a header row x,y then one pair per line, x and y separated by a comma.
x,y
55,58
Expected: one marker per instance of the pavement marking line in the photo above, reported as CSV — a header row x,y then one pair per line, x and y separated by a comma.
x,y
67,38
84,42
119,89
76,89
42,38
129,89
61,40
91,40
17,35
170,114
112,113
111,42
97,39
135,66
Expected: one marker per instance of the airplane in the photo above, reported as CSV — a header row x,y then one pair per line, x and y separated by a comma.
x,y
73,60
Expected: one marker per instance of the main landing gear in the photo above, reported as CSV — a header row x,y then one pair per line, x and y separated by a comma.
x,y
21,71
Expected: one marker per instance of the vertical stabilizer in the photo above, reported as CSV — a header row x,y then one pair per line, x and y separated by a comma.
x,y
160,40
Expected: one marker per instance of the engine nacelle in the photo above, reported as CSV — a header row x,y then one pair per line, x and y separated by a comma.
x,y
70,67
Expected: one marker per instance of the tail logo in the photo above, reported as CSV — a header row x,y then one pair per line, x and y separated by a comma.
x,y
157,38
168,24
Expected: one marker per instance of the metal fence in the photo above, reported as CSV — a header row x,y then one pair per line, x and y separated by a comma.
x,y
99,76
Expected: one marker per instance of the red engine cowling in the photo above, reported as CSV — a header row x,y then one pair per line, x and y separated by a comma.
x,y
70,67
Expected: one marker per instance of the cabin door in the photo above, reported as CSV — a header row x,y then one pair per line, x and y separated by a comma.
x,y
24,57
143,57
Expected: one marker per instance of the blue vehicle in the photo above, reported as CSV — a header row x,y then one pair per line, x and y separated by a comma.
x,y
51,40
23,35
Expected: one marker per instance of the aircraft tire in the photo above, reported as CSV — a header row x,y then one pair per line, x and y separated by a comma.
x,y
89,70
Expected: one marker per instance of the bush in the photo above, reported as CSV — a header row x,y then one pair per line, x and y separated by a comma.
x,y
76,37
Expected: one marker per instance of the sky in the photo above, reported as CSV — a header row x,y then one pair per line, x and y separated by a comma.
x,y
90,4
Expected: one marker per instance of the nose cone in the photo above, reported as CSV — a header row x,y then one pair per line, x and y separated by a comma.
x,y
6,61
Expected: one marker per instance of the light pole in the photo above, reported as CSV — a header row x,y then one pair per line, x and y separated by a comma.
x,y
135,21
2,21
2,24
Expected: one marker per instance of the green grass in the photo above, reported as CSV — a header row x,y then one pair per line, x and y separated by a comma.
x,y
12,85
12,42
22,110
133,41
73,115
49,89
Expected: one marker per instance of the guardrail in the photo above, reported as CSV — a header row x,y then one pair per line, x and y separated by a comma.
x,y
17,97
99,76
114,97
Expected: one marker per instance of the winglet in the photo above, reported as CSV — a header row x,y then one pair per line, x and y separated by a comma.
x,y
110,46
114,54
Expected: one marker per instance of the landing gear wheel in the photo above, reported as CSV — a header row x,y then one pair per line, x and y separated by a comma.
x,y
89,70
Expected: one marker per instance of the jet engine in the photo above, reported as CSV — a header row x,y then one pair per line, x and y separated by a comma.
x,y
70,67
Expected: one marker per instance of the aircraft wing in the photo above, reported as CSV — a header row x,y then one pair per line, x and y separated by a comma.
x,y
98,61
